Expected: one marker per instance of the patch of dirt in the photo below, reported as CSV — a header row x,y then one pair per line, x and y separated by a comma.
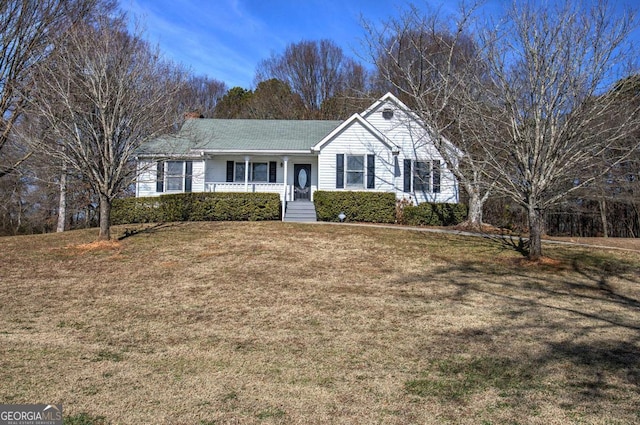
x,y
110,245
485,228
547,262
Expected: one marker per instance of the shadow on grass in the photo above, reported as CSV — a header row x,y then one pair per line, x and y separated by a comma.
x,y
571,329
145,229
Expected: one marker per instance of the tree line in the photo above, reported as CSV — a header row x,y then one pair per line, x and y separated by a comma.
x,y
535,111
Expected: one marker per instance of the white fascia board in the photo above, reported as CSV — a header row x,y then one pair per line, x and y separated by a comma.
x,y
384,99
189,155
266,152
391,98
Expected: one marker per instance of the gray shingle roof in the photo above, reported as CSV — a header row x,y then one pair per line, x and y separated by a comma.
x,y
242,135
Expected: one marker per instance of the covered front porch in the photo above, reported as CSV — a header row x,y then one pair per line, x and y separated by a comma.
x,y
294,178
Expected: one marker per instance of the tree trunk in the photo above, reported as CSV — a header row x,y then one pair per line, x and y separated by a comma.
x,y
536,229
474,217
602,203
62,205
105,218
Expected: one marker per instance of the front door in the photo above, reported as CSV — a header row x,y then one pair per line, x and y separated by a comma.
x,y
302,182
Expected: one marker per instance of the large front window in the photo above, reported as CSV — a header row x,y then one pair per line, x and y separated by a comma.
x,y
355,170
174,176
258,172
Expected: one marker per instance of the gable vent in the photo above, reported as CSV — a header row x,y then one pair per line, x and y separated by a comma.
x,y
387,113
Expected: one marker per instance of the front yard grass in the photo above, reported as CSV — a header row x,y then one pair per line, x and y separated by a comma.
x,y
209,323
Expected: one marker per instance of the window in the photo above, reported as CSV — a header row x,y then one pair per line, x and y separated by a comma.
x,y
175,175
239,175
422,177
355,170
258,172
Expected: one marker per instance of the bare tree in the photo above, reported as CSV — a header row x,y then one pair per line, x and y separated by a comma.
x,y
555,66
315,70
28,31
201,95
433,64
618,182
103,93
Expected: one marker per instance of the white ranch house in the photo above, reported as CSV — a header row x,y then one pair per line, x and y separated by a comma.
x,y
382,149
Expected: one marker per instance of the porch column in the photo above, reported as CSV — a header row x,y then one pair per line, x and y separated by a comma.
x,y
285,164
246,173
285,161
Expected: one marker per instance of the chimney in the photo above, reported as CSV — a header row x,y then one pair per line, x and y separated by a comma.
x,y
192,115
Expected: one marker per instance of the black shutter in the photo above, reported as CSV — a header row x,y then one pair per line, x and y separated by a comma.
x,y
407,175
340,171
230,171
273,167
371,171
436,176
160,176
188,171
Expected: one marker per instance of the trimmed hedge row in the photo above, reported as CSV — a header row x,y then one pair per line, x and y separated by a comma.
x,y
434,214
370,207
197,207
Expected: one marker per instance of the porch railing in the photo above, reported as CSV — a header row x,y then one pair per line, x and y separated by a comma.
x,y
278,188
240,187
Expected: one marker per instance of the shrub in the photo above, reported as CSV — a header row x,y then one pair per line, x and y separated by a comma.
x,y
434,214
197,207
369,207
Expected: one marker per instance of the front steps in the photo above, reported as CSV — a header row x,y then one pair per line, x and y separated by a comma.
x,y
300,211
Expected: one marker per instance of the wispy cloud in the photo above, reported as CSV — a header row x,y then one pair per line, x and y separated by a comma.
x,y
221,40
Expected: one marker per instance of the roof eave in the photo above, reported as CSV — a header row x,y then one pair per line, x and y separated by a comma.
x,y
256,151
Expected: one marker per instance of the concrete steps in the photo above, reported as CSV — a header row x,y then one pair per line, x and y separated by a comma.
x,y
300,211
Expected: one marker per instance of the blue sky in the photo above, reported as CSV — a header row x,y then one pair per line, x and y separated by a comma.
x,y
225,39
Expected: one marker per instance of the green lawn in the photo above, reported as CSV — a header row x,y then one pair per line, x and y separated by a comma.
x,y
213,323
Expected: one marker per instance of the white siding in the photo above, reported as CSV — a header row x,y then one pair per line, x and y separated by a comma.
x,y
356,140
197,177
146,181
402,131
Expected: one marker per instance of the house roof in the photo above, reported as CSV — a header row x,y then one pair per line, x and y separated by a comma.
x,y
242,135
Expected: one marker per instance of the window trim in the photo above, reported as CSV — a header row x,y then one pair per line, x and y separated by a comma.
x,y
361,171
366,171
168,175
